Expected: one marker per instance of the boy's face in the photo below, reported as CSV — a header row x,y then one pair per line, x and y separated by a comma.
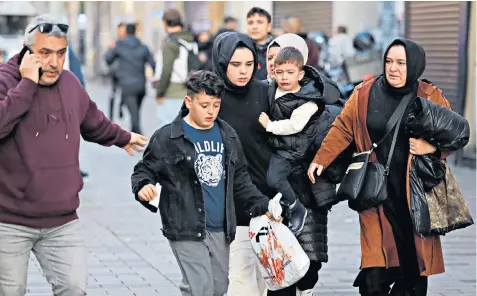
x,y
271,55
258,27
288,76
240,68
203,109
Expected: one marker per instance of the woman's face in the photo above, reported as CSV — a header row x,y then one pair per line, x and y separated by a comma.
x,y
396,66
240,68
271,55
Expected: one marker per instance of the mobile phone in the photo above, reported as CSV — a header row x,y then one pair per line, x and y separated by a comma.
x,y
22,54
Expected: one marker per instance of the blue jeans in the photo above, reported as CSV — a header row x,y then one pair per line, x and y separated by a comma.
x,y
60,251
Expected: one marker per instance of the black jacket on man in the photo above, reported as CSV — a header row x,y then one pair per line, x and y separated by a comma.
x,y
131,56
168,159
241,107
261,71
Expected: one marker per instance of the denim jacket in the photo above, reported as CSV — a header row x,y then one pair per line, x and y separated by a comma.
x,y
169,160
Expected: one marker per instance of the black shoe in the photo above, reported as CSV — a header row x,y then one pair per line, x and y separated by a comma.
x,y
297,217
84,174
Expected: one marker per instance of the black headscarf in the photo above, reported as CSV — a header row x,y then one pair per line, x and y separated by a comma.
x,y
222,51
416,64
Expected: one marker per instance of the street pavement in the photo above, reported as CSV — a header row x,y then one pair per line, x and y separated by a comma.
x,y
128,255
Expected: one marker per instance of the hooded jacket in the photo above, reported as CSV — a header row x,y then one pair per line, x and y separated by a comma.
x,y
241,107
40,133
314,88
132,57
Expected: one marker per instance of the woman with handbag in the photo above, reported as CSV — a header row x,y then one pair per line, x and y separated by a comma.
x,y
391,252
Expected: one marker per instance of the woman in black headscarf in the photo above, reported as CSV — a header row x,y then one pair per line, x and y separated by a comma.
x,y
234,59
391,252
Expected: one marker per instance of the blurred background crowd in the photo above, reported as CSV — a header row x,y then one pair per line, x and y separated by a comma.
x,y
336,32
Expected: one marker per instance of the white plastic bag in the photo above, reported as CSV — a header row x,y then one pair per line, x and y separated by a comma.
x,y
281,258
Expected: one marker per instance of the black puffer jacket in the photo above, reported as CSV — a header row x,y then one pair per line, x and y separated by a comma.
x,y
315,87
314,236
443,128
132,57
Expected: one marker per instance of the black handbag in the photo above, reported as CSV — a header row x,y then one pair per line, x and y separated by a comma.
x,y
365,182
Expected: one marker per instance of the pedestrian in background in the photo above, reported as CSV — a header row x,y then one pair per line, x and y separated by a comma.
x,y
132,57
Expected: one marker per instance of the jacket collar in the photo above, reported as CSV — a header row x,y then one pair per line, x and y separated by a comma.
x,y
178,131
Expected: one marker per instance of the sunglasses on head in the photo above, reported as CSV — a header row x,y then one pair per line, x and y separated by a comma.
x,y
47,28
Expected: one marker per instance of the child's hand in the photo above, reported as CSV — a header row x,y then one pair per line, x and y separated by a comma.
x,y
263,119
148,193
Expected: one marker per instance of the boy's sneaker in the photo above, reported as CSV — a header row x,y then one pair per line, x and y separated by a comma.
x,y
297,217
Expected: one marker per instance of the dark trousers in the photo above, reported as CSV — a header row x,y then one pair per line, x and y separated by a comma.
x,y
306,283
112,98
419,290
277,177
399,290
133,101
377,281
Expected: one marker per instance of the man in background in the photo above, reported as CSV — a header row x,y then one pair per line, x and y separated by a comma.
x,y
341,46
132,57
230,25
259,26
172,67
121,34
293,25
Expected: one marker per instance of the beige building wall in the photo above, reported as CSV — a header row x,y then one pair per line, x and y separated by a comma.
x,y
356,16
72,11
216,14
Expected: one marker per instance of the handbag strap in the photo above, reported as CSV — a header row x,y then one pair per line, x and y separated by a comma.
x,y
394,121
393,145
397,114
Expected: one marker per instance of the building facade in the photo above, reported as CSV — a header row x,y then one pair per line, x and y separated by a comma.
x,y
446,32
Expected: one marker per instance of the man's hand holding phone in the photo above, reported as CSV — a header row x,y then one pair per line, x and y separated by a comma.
x,y
30,67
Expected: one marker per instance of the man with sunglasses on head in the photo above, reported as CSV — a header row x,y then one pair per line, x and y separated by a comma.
x,y
42,118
